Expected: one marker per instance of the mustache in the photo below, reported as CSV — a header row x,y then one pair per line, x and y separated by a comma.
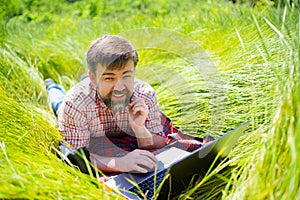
x,y
116,92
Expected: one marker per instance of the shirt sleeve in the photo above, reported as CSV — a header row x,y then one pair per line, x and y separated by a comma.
x,y
72,124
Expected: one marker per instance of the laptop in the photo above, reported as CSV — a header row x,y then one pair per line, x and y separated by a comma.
x,y
175,169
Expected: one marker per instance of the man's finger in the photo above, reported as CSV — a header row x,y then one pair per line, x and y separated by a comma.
x,y
140,109
148,154
145,153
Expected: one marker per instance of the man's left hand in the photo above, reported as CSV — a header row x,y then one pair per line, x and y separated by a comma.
x,y
138,113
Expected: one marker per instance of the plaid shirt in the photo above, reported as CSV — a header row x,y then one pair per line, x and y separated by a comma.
x,y
83,115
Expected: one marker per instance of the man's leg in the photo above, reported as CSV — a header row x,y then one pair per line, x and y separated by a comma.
x,y
56,94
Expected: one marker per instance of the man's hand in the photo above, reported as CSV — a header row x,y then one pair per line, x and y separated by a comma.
x,y
136,161
138,113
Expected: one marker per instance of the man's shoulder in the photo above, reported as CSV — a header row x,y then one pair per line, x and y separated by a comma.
x,y
81,92
143,89
142,86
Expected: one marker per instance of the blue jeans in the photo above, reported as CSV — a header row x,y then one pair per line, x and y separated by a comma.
x,y
56,95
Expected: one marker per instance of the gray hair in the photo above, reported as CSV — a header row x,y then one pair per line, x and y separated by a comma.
x,y
111,51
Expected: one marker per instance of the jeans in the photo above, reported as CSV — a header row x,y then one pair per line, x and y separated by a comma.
x,y
56,95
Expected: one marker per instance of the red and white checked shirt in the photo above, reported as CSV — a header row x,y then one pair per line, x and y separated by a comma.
x,y
83,115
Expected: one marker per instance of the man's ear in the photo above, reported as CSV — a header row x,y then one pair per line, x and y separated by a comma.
x,y
93,78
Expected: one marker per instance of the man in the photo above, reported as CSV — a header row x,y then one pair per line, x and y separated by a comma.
x,y
112,103
113,114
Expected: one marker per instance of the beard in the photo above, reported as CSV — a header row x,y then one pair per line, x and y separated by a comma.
x,y
117,105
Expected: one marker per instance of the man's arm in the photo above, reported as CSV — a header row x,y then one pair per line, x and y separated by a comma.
x,y
72,125
147,140
138,113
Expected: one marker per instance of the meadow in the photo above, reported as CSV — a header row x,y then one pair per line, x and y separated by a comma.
x,y
213,64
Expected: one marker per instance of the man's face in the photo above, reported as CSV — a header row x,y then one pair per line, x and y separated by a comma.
x,y
115,86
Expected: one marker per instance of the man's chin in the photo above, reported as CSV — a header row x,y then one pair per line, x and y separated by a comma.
x,y
118,104
118,107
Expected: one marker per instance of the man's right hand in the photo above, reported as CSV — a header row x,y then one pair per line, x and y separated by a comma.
x,y
138,161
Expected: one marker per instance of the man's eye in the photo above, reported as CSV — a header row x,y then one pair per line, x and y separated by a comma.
x,y
127,76
108,78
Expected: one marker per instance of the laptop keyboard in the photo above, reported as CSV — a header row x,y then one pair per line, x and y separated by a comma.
x,y
147,186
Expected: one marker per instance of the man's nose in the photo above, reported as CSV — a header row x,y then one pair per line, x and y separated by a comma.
x,y
119,86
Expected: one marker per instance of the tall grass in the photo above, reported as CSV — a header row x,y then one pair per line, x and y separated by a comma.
x,y
29,168
275,174
254,56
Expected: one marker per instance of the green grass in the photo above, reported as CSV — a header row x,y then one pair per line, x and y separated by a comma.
x,y
253,74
